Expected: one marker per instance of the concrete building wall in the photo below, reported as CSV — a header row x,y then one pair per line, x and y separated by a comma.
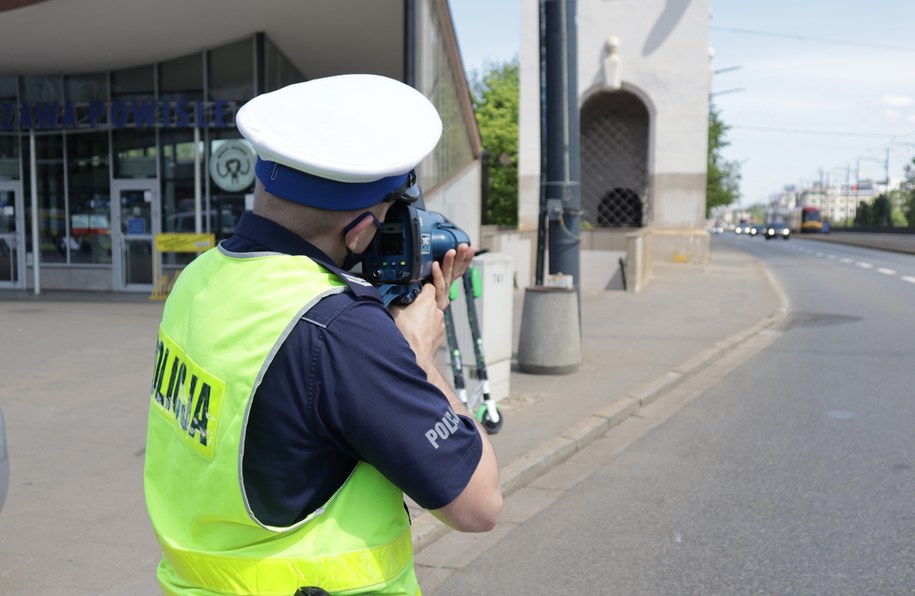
x,y
657,50
459,201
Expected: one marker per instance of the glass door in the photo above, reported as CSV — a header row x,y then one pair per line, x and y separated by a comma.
x,y
134,222
12,236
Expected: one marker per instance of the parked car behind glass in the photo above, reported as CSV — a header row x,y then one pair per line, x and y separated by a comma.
x,y
184,222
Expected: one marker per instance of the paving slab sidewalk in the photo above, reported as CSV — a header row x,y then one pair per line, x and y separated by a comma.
x,y
635,348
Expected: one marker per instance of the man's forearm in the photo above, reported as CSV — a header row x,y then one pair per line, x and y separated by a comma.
x,y
434,375
478,506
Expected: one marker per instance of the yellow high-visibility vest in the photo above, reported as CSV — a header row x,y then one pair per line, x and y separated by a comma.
x,y
222,325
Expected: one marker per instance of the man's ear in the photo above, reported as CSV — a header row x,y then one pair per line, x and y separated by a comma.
x,y
356,229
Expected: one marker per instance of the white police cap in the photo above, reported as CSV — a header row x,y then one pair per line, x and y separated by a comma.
x,y
342,142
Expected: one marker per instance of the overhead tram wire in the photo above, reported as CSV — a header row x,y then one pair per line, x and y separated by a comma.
x,y
803,131
889,139
808,38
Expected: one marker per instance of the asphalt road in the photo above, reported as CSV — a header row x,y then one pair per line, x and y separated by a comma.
x,y
792,474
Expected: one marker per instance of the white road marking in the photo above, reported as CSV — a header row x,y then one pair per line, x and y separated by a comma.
x,y
845,260
832,257
864,265
885,271
908,278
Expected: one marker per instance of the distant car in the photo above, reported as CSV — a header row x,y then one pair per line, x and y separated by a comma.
x,y
778,229
4,463
742,228
756,230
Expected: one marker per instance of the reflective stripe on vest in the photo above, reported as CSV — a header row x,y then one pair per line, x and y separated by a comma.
x,y
276,575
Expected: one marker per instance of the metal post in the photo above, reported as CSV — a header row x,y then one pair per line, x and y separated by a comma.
x,y
887,220
550,340
198,186
410,34
847,191
484,187
541,212
36,241
563,175
857,185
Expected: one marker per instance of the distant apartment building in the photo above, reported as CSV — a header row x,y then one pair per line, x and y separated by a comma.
x,y
839,204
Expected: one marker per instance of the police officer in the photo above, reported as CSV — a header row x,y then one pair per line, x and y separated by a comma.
x,y
290,409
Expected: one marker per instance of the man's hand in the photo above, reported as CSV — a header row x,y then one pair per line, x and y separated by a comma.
x,y
453,266
422,323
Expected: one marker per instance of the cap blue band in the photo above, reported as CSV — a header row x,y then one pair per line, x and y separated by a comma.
x,y
323,193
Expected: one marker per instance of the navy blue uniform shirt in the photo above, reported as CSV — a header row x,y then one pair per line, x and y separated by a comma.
x,y
344,387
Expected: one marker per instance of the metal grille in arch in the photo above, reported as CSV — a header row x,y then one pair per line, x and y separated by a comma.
x,y
614,161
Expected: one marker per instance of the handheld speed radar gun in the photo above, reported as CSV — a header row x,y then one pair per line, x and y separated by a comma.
x,y
400,258
399,262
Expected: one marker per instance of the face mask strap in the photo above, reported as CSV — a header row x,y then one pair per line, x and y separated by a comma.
x,y
359,219
353,258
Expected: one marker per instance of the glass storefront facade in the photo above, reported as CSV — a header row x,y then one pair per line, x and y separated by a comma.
x,y
120,156
440,79
111,159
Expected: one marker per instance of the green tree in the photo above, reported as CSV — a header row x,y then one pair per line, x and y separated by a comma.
x,y
864,215
723,176
495,102
873,214
908,194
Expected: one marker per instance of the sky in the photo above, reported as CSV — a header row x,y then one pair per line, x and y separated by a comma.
x,y
811,89
487,30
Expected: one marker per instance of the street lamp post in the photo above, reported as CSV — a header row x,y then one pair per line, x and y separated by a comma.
x,y
887,219
847,170
847,191
886,187
857,186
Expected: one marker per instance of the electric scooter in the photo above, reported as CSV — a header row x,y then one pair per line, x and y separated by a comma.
x,y
480,403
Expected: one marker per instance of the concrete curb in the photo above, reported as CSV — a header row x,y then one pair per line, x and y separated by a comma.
x,y
552,452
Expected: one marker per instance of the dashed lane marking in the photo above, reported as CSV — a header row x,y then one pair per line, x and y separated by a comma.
x,y
862,264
